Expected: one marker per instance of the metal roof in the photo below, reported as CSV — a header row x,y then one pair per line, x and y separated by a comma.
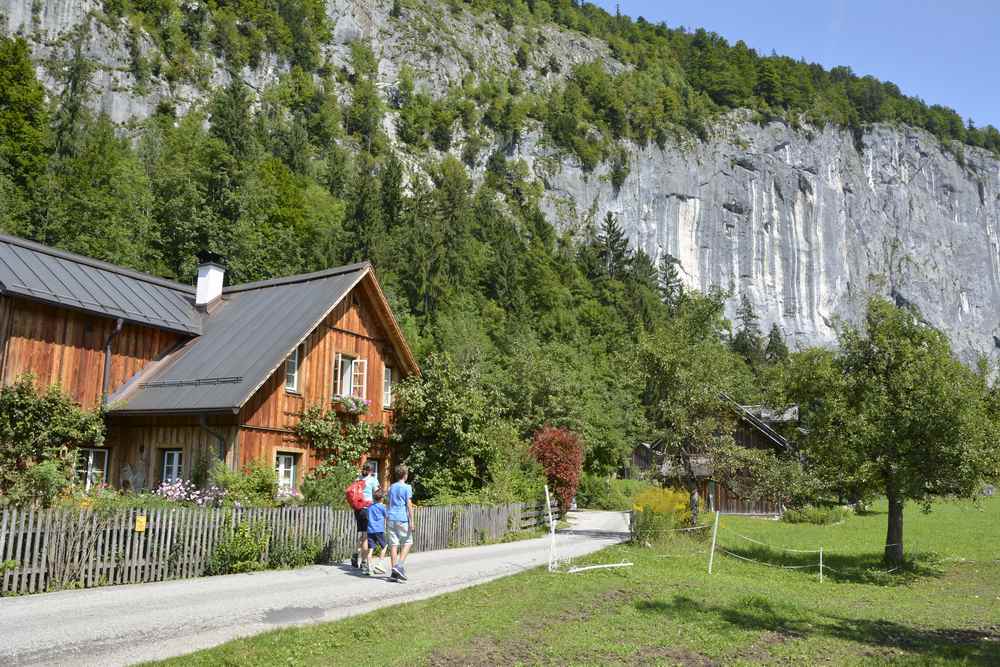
x,y
244,339
40,273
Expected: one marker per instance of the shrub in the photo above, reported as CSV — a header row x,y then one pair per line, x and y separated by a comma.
x,y
664,501
291,556
254,486
818,515
561,455
326,484
596,492
658,510
242,550
39,434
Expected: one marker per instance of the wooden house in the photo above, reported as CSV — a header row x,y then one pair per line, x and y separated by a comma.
x,y
754,430
194,374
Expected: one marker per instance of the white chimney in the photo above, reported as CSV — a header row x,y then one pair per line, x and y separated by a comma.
x,y
210,277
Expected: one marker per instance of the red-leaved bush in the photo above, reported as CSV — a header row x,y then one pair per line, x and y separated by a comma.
x,y
561,455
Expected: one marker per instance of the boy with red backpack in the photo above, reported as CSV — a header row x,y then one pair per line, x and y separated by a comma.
x,y
359,497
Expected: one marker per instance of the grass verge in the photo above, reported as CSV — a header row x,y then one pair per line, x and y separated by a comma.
x,y
942,609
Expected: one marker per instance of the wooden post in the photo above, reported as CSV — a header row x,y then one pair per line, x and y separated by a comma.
x,y
715,531
821,565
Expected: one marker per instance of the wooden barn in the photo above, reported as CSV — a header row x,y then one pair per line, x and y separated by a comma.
x,y
194,374
754,429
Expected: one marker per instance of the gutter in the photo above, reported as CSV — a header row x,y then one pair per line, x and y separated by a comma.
x,y
203,423
106,380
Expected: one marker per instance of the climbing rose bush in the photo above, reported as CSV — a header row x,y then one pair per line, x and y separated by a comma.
x,y
560,453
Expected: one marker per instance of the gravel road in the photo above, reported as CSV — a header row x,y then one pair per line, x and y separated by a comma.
x,y
121,625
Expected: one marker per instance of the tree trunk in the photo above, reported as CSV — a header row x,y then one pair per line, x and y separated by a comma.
x,y
692,486
894,535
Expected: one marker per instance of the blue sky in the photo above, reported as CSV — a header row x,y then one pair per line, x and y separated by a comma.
x,y
943,52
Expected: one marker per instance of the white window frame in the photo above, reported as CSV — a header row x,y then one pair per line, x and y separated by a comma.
x,y
286,462
350,377
293,366
171,471
89,474
387,381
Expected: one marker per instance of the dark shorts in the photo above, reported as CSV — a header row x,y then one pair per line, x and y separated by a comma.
x,y
376,540
361,517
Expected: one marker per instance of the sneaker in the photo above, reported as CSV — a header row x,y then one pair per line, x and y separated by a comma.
x,y
400,571
354,560
370,569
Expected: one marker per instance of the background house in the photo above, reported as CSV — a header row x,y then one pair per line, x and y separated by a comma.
x,y
192,374
754,429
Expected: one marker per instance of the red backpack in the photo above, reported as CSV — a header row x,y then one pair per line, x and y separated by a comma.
x,y
355,493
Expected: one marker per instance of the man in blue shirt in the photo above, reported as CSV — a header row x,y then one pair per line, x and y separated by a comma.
x,y
400,521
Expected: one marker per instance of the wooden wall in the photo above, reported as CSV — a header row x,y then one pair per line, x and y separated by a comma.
x,y
270,415
67,347
139,442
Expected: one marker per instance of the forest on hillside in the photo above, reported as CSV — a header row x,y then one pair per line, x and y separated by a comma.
x,y
517,323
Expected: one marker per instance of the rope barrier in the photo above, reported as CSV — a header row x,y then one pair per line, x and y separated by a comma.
x,y
761,562
771,546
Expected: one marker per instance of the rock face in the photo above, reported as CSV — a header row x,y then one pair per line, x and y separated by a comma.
x,y
806,222
808,227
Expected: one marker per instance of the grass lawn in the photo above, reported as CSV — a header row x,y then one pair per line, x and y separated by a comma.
x,y
944,609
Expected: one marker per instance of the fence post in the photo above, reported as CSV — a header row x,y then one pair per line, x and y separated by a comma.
x,y
715,531
821,565
552,531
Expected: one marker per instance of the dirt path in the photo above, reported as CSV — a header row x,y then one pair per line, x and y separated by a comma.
x,y
120,625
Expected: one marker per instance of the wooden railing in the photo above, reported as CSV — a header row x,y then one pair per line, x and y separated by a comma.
x,y
44,550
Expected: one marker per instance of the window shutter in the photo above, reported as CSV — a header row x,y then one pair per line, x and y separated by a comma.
x,y
336,374
359,377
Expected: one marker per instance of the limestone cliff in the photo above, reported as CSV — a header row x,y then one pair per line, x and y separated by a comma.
x,y
807,222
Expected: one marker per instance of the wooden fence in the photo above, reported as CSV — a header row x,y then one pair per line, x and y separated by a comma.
x,y
43,550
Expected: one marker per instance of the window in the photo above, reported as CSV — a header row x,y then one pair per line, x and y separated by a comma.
x,y
387,386
350,377
284,464
172,466
91,467
292,369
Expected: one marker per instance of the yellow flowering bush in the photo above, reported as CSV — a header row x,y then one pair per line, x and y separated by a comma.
x,y
657,511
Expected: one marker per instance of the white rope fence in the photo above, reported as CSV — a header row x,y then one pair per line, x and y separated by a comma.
x,y
821,552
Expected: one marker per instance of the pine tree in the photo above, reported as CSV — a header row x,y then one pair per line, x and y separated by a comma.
x,y
391,178
613,248
747,341
23,114
230,119
671,287
776,350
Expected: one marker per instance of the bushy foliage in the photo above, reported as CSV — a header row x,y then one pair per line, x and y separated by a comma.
x,y
560,453
606,493
657,511
242,549
39,434
290,555
815,514
255,485
342,442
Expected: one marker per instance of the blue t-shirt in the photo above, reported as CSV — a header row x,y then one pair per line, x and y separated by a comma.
x,y
376,518
399,493
371,483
